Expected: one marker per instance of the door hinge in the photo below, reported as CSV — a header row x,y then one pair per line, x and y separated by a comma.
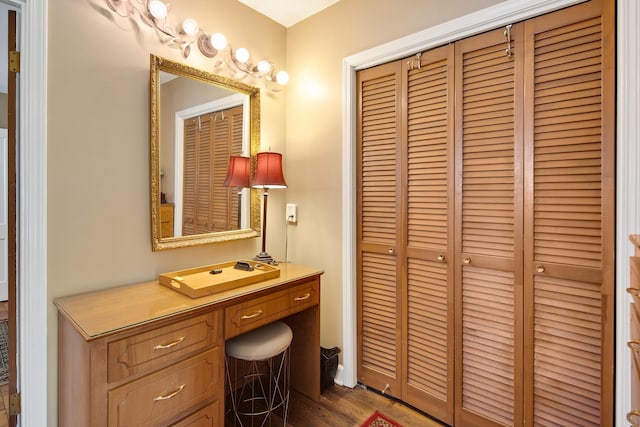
x,y
14,404
14,61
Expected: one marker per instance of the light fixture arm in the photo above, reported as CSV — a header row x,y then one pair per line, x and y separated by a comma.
x,y
155,14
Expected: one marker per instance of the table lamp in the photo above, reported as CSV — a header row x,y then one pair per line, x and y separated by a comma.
x,y
268,175
238,176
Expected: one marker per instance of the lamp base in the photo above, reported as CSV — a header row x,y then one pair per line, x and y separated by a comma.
x,y
265,258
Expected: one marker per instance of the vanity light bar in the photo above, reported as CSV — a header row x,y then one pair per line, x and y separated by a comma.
x,y
155,14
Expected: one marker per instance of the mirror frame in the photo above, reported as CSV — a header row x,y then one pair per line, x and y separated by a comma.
x,y
161,64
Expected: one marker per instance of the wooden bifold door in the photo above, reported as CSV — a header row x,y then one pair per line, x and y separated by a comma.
x,y
209,140
486,224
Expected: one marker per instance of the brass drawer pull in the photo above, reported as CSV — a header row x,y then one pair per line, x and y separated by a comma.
x,y
251,316
634,345
634,291
302,298
540,269
440,258
170,395
171,344
631,414
467,260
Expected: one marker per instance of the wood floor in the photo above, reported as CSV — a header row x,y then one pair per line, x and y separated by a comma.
x,y
345,407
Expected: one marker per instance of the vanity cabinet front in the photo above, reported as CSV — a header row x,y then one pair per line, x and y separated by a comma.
x,y
146,355
145,376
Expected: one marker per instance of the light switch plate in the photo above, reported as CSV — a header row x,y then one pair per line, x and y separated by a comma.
x,y
292,213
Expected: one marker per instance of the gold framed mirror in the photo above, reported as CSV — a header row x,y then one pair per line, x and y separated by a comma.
x,y
197,121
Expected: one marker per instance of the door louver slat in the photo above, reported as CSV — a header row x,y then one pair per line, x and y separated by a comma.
x,y
567,351
379,315
378,160
488,343
428,332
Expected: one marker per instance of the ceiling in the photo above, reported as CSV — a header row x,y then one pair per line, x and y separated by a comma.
x,y
288,12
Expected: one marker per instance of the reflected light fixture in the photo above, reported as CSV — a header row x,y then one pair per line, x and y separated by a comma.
x,y
184,35
238,176
268,175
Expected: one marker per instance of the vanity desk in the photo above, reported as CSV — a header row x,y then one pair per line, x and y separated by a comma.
x,y
146,355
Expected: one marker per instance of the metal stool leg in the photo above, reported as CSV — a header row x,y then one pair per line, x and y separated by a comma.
x,y
264,389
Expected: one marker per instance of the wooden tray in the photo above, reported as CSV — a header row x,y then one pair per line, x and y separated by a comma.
x,y
198,282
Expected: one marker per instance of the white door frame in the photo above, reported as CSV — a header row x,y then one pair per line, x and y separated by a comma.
x,y
628,155
32,304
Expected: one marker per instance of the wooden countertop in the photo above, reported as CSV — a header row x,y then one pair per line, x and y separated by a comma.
x,y
99,313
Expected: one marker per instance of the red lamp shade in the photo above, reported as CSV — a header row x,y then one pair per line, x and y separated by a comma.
x,y
269,171
238,172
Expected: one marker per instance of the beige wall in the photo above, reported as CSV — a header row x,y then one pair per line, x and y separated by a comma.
x,y
98,160
98,148
315,49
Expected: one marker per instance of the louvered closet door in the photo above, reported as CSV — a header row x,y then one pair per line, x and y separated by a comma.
x,y
227,141
378,228
221,146
189,183
203,175
429,297
570,228
489,230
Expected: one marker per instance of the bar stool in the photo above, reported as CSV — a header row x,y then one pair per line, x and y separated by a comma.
x,y
257,371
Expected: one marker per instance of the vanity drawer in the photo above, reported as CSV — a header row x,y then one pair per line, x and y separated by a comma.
x,y
243,317
209,416
159,397
151,350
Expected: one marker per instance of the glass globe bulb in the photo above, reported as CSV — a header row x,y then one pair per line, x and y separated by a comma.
x,y
190,26
264,66
157,9
282,77
242,55
218,41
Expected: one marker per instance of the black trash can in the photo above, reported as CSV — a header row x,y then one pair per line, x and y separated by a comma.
x,y
328,366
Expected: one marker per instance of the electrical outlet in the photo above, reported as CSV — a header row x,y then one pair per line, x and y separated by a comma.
x,y
292,213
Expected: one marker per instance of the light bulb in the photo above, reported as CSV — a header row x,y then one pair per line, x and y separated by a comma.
x,y
282,77
264,66
157,9
218,41
242,55
190,26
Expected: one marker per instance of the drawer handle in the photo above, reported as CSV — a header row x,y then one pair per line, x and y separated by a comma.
x,y
634,345
170,395
171,344
467,260
631,414
251,316
440,258
302,298
634,291
540,269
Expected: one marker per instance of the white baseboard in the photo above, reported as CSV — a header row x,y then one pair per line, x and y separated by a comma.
x,y
339,379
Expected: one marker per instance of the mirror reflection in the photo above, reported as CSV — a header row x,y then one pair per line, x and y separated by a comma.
x,y
199,120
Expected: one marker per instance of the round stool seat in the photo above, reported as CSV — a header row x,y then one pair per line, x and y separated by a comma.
x,y
262,343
